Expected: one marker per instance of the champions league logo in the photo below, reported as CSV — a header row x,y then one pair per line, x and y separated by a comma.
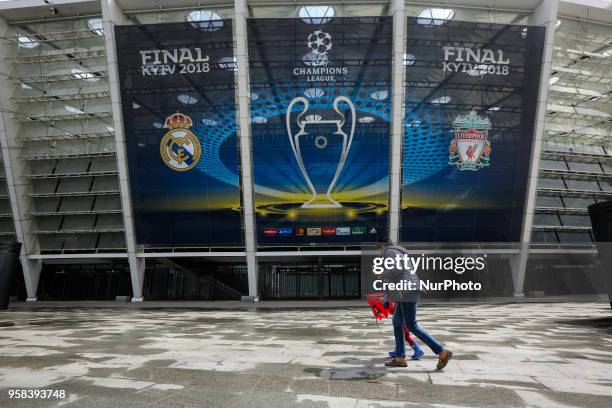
x,y
179,148
317,60
321,147
319,42
470,149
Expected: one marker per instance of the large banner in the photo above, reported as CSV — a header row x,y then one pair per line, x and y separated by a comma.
x,y
471,93
320,109
178,96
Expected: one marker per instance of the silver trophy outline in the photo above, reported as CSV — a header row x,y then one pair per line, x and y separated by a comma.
x,y
295,146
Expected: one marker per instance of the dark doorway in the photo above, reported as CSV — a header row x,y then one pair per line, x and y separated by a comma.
x,y
310,280
191,278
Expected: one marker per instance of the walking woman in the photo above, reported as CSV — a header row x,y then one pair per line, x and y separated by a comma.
x,y
406,310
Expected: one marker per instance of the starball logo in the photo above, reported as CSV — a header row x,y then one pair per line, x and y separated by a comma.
x,y
319,43
317,63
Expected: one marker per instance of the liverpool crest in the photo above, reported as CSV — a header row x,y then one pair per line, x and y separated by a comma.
x,y
179,148
470,149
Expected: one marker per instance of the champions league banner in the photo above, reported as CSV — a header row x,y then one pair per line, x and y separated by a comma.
x,y
470,100
178,96
320,110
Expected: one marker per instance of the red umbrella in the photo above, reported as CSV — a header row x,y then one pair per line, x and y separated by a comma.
x,y
377,304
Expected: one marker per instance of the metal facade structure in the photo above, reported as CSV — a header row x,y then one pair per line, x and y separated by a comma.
x,y
64,188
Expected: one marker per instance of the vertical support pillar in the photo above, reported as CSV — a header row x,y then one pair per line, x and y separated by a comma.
x,y
14,170
112,14
545,15
16,191
244,129
397,118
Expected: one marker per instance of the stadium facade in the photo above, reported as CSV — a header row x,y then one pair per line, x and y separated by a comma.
x,y
173,149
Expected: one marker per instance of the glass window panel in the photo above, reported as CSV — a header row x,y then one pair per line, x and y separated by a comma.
x,y
546,182
582,185
206,20
363,10
544,236
574,237
576,220
588,149
606,185
176,16
546,219
553,164
581,49
583,166
549,201
578,202
316,14
469,14
556,147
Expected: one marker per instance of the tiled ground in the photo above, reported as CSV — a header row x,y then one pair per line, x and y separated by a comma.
x,y
506,355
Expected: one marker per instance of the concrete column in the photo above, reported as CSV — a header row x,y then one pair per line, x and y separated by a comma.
x,y
111,15
544,15
15,169
244,129
397,118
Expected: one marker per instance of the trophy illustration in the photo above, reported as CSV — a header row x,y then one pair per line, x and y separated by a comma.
x,y
320,147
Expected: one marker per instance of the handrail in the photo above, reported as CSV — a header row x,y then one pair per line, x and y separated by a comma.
x,y
79,231
68,156
62,97
575,192
53,118
75,194
66,54
73,175
575,174
71,136
62,213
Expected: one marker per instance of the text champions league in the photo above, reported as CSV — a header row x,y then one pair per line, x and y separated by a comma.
x,y
320,74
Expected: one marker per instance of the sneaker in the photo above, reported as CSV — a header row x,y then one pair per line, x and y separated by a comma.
x,y
443,359
418,353
396,362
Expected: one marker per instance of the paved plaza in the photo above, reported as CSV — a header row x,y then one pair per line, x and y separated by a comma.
x,y
506,355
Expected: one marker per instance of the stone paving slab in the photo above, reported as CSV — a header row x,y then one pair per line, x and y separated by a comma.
x,y
506,355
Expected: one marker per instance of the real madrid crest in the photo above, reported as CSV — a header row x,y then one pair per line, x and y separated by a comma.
x,y
179,148
470,149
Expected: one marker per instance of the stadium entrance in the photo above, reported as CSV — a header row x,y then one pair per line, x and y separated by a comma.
x,y
310,280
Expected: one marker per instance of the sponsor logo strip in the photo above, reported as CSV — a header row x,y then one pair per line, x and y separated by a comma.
x,y
329,231
357,230
313,232
343,231
270,232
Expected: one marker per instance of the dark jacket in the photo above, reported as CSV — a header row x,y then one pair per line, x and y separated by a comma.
x,y
397,275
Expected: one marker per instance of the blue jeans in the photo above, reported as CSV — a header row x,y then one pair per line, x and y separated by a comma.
x,y
405,312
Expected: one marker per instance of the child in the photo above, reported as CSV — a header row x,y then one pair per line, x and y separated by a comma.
x,y
417,352
381,308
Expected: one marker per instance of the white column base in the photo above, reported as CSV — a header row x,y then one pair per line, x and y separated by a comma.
x,y
518,295
137,299
31,299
